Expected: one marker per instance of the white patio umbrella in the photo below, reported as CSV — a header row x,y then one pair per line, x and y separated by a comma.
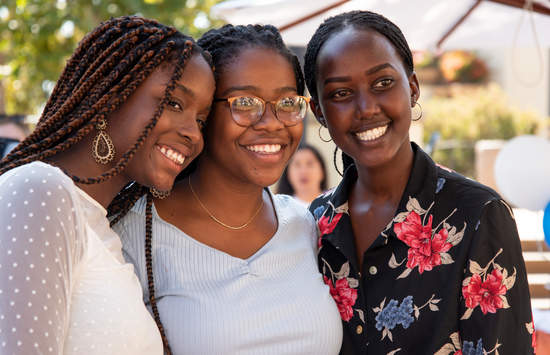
x,y
424,22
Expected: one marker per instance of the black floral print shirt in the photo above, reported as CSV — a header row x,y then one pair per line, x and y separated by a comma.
x,y
446,276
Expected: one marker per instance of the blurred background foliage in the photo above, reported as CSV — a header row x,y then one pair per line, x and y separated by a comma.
x,y
38,36
465,115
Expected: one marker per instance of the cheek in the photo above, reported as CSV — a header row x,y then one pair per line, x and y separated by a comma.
x,y
295,133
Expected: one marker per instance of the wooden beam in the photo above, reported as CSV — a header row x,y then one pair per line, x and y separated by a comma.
x,y
312,15
537,267
457,23
539,291
541,9
534,245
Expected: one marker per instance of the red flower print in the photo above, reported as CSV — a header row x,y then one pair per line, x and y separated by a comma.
x,y
486,293
326,226
344,296
459,352
411,231
424,252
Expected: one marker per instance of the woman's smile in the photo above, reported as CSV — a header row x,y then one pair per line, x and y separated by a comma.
x,y
372,134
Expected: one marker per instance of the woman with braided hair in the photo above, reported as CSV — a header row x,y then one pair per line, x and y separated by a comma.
x,y
227,267
419,259
129,107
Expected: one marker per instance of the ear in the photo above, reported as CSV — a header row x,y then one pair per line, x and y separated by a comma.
x,y
316,109
415,88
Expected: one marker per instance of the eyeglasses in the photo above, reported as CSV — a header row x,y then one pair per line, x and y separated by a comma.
x,y
247,110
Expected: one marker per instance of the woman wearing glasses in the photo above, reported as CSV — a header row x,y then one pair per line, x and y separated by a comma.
x,y
227,267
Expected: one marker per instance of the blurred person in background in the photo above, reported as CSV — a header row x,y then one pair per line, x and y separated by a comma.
x,y
12,131
305,177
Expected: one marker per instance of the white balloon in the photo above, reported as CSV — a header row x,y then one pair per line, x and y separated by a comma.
x,y
522,172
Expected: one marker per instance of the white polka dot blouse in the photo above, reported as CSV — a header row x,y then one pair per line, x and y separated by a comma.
x,y
64,285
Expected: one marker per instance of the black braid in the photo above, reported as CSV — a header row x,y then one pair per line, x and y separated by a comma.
x,y
363,20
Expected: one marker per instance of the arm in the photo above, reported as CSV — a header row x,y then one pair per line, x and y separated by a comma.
x,y
38,254
495,305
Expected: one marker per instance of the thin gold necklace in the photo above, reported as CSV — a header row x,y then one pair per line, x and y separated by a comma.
x,y
217,220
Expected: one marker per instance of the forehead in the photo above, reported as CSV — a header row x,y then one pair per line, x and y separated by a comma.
x,y
351,48
304,154
195,67
260,67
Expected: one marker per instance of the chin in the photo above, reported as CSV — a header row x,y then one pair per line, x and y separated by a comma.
x,y
265,180
163,185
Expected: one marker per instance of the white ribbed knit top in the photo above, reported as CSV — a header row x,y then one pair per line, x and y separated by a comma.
x,y
274,302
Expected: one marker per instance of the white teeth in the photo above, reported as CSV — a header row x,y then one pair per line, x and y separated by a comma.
x,y
372,134
173,155
264,148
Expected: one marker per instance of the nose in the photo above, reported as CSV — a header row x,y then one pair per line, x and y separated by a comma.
x,y
189,129
366,105
269,120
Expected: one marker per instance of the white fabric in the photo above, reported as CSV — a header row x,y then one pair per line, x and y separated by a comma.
x,y
302,203
64,286
274,302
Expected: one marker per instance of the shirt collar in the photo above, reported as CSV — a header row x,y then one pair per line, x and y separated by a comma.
x,y
421,185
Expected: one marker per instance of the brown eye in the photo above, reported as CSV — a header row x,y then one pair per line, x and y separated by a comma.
x,y
384,83
341,94
174,105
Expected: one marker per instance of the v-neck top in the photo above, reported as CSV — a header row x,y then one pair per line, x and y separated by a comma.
x,y
273,302
446,276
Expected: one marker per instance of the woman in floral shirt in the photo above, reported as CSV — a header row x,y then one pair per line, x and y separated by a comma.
x,y
419,259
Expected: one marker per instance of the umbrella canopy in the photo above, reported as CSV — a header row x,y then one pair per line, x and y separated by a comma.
x,y
425,23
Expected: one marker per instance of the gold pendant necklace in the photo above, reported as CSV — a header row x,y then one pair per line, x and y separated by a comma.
x,y
217,220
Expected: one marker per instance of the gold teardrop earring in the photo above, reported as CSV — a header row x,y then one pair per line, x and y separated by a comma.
x,y
103,149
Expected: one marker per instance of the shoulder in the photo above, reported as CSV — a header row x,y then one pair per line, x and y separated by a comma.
x,y
131,227
36,180
462,192
318,206
288,205
291,210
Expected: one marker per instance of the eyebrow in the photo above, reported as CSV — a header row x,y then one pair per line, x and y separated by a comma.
x,y
254,88
338,79
186,90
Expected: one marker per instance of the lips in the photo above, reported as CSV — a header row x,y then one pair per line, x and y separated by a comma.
x,y
372,133
172,154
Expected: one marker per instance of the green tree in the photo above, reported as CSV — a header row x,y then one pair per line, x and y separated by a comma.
x,y
38,36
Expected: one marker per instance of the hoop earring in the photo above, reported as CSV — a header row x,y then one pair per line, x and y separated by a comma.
x,y
161,195
420,114
321,137
103,149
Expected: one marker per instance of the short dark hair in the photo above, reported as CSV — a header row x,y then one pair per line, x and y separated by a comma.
x,y
225,43
364,20
284,186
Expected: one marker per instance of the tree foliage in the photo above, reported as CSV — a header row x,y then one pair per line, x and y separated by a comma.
x,y
38,36
469,115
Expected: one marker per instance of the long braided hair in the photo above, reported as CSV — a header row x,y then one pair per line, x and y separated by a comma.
x,y
224,45
362,20
106,68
